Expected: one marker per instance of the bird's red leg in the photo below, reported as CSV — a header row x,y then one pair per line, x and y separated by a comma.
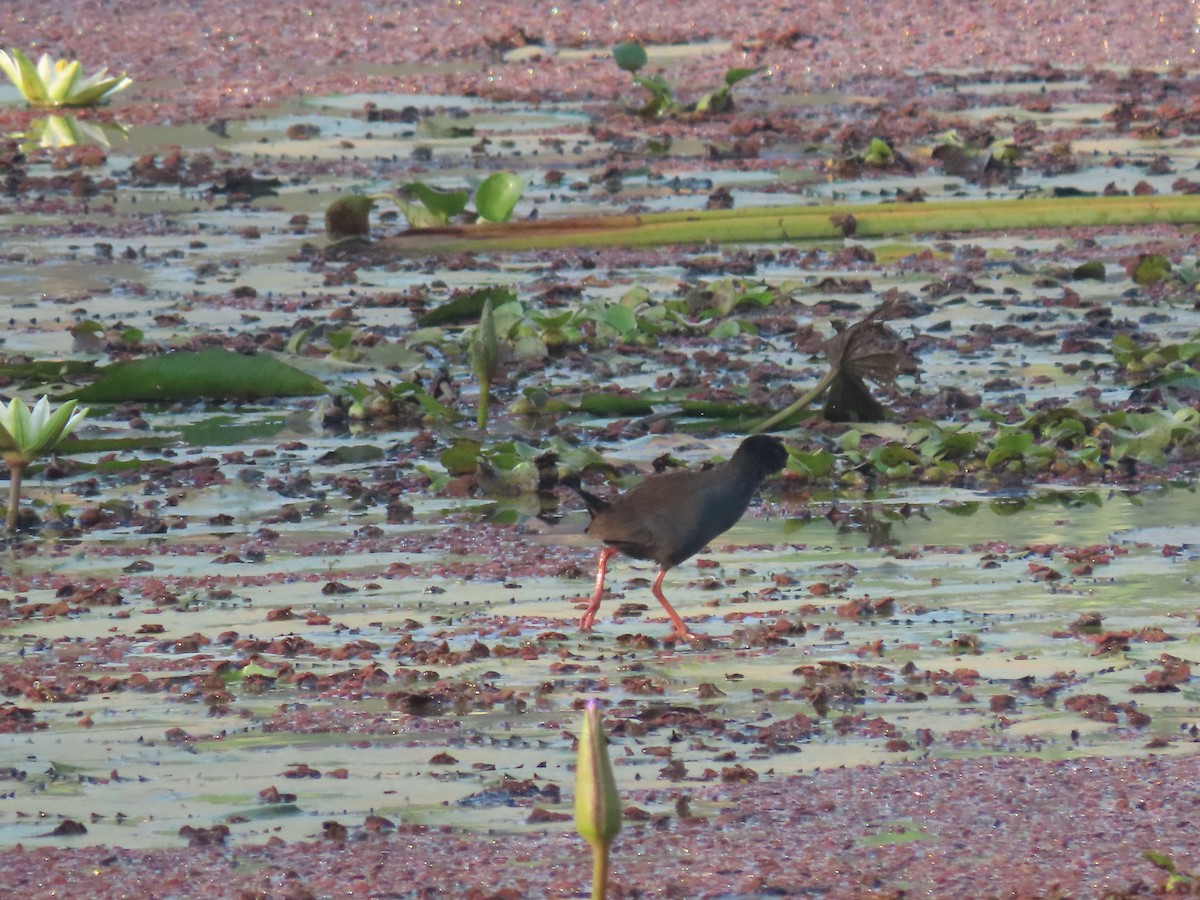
x,y
589,616
681,628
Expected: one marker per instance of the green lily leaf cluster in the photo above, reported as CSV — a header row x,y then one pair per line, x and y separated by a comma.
x,y
59,82
631,57
520,467
404,401
1161,364
1062,442
974,160
425,206
495,199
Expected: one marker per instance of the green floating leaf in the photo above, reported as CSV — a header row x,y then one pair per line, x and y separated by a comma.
x,y
461,457
621,319
614,405
43,371
728,328
252,668
215,374
229,431
1188,379
114,445
630,55
817,464
1151,268
443,204
1011,443
498,195
466,308
893,454
958,445
733,76
353,454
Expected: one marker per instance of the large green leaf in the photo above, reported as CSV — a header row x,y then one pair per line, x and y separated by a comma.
x,y
497,195
215,373
468,307
444,204
615,405
461,457
229,431
733,76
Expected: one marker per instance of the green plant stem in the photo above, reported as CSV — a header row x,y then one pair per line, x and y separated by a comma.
x,y
803,403
485,390
14,494
599,871
793,223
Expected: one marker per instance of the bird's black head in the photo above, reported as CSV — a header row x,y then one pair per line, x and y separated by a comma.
x,y
764,453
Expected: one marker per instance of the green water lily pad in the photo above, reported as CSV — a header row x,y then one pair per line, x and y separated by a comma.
x,y
352,454
215,374
443,204
228,431
498,195
44,371
466,308
614,405
461,457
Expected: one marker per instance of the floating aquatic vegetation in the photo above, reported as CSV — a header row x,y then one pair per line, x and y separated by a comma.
x,y
631,56
425,206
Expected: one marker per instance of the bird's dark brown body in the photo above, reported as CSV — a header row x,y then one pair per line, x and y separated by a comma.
x,y
669,518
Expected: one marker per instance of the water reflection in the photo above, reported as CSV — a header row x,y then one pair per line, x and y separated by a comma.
x,y
56,131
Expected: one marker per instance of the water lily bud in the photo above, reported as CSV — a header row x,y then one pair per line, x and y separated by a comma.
x,y
485,345
597,804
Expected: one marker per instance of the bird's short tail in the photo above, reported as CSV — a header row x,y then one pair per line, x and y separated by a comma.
x,y
595,505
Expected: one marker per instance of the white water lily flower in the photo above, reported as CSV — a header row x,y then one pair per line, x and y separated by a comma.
x,y
57,82
27,434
